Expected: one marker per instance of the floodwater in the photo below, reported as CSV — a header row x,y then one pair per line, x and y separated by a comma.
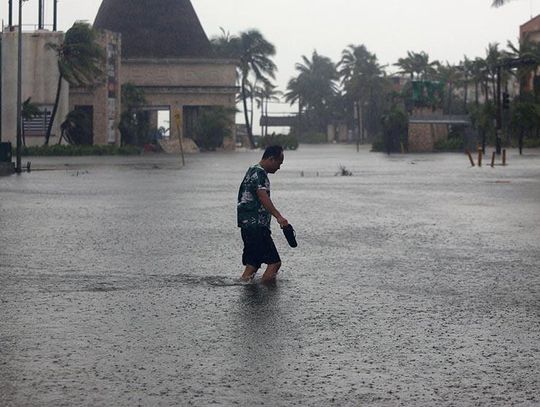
x,y
416,282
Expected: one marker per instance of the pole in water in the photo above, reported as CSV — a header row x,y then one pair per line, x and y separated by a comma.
x,y
480,156
493,159
178,119
470,157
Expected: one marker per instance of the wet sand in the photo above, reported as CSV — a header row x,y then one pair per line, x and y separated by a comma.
x,y
415,283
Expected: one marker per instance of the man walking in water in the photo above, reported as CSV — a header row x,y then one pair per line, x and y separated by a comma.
x,y
255,210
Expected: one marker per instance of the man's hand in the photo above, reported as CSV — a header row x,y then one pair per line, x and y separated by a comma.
x,y
282,221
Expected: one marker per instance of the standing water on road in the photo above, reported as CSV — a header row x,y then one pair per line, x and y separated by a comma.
x,y
415,283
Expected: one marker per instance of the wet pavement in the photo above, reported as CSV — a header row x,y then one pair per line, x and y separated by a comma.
x,y
416,282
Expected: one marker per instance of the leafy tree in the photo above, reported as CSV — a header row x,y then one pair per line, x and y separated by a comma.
x,y
80,62
395,129
525,116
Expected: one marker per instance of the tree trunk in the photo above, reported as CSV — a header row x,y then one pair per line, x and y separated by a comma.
x,y
465,93
266,112
246,115
251,111
55,110
449,103
262,115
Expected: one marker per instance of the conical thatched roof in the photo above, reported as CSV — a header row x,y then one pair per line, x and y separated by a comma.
x,y
155,28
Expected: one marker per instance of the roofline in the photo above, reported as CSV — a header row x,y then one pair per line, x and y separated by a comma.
x,y
183,61
528,22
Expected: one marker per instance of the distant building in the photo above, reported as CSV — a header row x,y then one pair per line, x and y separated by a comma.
x,y
158,46
166,53
530,31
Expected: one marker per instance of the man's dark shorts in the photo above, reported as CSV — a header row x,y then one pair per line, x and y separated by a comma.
x,y
258,247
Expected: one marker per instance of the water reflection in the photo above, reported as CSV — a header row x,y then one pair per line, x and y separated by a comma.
x,y
261,329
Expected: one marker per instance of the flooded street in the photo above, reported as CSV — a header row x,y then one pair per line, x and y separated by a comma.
x,y
416,282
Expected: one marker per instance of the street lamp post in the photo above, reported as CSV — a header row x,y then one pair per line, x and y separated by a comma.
x,y
55,15
18,168
10,16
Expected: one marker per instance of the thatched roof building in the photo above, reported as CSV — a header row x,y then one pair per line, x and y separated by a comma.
x,y
165,52
155,28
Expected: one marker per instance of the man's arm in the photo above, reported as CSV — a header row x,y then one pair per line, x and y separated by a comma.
x,y
265,200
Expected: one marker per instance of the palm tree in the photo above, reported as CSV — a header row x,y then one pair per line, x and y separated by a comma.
x,y
296,89
256,62
451,76
80,61
265,95
254,54
315,87
499,3
418,63
362,78
465,68
529,52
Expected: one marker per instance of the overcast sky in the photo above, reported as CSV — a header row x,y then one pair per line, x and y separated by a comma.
x,y
445,29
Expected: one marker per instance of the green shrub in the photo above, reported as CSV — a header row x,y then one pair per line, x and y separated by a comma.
x,y
213,125
378,146
531,143
450,145
313,138
73,150
287,141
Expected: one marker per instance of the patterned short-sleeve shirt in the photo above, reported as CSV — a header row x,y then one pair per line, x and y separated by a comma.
x,y
250,211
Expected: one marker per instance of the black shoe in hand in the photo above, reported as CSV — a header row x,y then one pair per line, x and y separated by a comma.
x,y
290,234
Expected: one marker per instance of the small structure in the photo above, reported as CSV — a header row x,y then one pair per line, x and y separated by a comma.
x,y
427,127
166,53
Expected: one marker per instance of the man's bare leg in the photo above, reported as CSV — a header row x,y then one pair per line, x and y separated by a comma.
x,y
270,274
249,272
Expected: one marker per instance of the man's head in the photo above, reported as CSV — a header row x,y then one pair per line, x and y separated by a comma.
x,y
272,159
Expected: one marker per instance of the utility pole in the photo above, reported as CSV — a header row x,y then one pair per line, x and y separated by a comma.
x,y
10,17
55,15
499,113
40,15
18,168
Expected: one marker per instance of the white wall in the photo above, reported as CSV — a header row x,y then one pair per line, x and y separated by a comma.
x,y
39,80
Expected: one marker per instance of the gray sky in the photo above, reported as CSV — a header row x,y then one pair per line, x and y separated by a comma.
x,y
445,29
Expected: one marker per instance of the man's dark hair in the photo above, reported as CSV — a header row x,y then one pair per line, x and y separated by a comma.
x,y
272,152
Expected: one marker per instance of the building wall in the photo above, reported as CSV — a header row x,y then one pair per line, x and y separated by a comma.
x,y
422,137
39,80
105,98
174,84
180,72
530,31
